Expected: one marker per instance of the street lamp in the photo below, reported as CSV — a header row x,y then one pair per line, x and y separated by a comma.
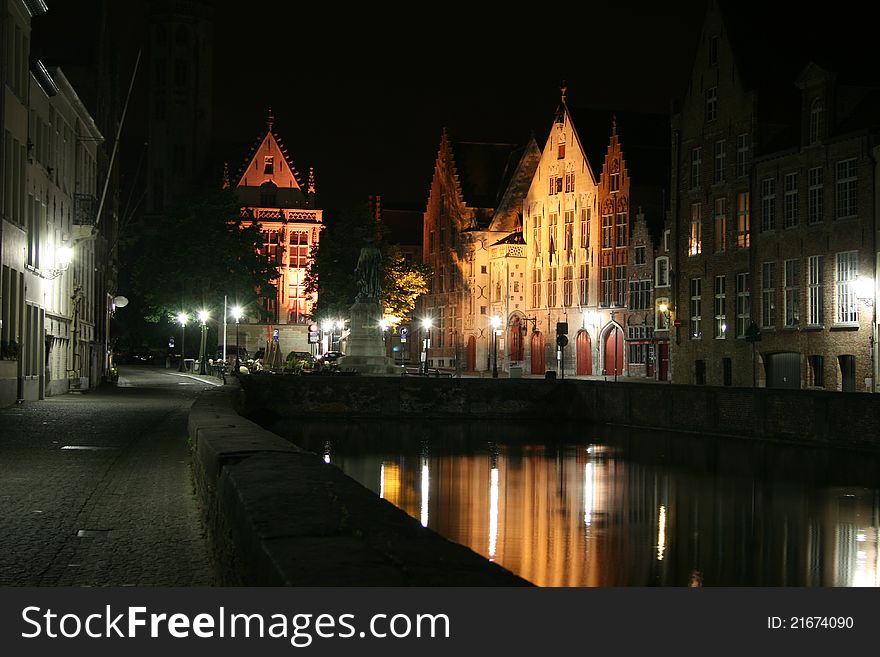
x,y
496,323
426,327
203,320
236,313
182,319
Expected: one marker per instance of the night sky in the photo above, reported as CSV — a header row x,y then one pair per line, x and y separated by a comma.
x,y
363,95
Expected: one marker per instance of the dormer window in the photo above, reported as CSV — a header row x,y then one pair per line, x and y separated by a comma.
x,y
269,165
817,121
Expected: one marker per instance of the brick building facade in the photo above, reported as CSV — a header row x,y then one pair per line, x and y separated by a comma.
x,y
773,222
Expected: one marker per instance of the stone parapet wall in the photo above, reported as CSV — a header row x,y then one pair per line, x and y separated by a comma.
x,y
846,419
279,516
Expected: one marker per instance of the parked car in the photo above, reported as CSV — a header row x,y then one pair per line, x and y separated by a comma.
x,y
143,356
301,360
330,356
230,353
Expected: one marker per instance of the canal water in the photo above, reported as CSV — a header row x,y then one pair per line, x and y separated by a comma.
x,y
576,505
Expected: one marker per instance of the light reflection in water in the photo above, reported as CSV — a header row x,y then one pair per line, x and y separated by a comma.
x,y
493,512
426,492
609,515
661,533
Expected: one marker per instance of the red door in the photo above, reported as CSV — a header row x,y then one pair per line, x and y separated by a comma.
x,y
584,349
471,354
664,360
614,351
516,341
537,353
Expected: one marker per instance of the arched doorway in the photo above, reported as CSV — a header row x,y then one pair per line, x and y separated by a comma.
x,y
471,354
584,350
613,343
537,352
516,341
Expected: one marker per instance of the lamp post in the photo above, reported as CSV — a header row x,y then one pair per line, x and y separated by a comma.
x,y
496,322
181,319
236,313
338,325
426,327
384,324
203,361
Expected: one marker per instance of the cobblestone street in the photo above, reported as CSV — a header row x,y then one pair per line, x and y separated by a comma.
x,y
96,490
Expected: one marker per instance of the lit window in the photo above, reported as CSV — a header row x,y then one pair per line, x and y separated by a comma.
x,y
847,271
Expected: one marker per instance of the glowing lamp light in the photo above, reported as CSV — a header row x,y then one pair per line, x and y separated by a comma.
x,y
339,324
65,256
327,325
203,316
182,318
236,312
384,324
426,323
663,307
864,287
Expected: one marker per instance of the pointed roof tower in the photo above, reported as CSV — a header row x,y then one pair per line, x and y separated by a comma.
x,y
269,168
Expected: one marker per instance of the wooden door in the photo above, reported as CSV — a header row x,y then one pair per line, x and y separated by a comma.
x,y
584,351
471,354
537,353
614,351
664,360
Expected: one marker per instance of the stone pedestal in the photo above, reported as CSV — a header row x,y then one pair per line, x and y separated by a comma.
x,y
365,351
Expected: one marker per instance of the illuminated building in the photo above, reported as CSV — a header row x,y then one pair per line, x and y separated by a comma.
x,y
270,190
579,216
474,203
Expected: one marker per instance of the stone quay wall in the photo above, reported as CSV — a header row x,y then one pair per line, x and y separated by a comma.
x,y
279,516
801,416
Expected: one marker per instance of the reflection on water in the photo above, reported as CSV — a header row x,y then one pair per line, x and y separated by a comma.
x,y
637,509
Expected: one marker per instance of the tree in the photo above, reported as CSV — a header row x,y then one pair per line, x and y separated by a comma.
x,y
200,252
332,268
403,282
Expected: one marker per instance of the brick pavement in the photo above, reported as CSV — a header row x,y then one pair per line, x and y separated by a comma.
x,y
96,488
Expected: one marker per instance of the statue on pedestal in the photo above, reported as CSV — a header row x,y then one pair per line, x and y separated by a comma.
x,y
368,273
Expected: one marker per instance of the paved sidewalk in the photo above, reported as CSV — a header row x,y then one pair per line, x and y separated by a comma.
x,y
96,489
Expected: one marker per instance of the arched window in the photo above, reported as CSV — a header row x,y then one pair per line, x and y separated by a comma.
x,y
817,120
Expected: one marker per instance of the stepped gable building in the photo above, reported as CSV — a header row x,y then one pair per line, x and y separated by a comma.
x,y
579,227
774,217
474,203
270,190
